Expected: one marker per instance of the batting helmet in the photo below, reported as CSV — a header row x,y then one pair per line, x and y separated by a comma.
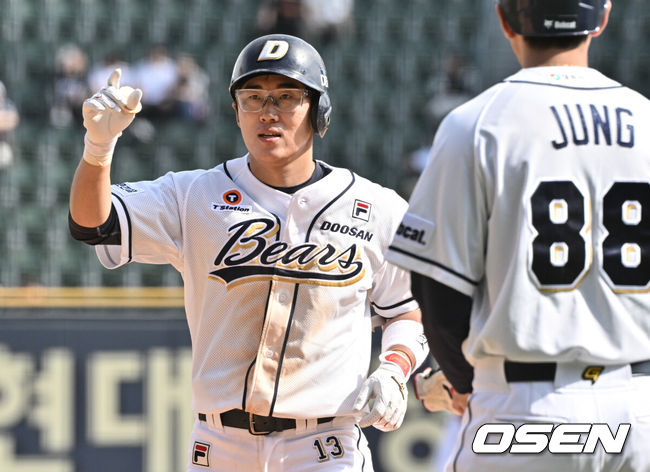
x,y
292,57
554,17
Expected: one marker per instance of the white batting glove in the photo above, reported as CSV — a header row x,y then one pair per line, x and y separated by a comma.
x,y
434,390
106,114
387,387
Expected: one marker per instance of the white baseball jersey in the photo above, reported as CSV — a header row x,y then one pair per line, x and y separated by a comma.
x,y
277,286
536,203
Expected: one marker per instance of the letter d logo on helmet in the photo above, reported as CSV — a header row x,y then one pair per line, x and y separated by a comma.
x,y
291,57
273,50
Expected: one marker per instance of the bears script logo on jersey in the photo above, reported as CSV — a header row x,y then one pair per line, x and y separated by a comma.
x,y
253,252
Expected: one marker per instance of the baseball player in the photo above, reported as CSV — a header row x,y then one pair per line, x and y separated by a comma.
x,y
282,258
529,233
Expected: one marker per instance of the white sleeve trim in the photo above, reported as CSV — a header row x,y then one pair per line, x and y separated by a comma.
x,y
410,304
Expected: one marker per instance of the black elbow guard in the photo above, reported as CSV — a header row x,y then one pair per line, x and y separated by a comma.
x,y
107,233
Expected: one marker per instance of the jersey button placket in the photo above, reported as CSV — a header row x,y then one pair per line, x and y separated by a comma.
x,y
266,370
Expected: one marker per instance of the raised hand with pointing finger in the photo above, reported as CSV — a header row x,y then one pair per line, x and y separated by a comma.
x,y
106,114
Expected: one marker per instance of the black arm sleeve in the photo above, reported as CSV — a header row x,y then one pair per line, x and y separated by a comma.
x,y
445,317
108,233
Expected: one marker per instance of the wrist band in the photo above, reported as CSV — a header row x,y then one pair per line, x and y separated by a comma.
x,y
98,154
408,333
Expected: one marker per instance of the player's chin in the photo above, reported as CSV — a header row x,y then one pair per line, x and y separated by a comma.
x,y
276,151
273,148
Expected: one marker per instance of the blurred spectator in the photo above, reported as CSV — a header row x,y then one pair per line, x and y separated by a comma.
x,y
191,94
280,16
142,129
329,21
157,76
451,89
70,85
8,122
413,164
99,72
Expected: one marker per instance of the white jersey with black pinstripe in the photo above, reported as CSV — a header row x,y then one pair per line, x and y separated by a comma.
x,y
278,286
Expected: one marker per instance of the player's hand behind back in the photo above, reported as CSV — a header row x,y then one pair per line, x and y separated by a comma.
x,y
436,393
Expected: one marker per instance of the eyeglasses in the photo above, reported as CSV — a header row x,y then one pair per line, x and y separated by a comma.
x,y
285,100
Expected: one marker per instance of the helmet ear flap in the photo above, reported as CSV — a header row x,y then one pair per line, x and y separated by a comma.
x,y
320,113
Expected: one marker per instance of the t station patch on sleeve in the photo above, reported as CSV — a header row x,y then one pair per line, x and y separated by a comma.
x,y
200,454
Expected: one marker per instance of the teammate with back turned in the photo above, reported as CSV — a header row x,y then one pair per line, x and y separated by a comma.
x,y
528,235
282,257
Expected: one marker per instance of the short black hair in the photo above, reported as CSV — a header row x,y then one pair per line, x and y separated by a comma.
x,y
555,42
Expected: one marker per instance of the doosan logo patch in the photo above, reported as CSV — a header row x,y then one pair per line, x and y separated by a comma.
x,y
200,453
361,210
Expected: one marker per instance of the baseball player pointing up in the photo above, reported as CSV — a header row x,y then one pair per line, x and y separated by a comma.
x,y
282,259
529,236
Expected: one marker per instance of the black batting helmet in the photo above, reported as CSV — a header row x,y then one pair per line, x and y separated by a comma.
x,y
554,17
292,57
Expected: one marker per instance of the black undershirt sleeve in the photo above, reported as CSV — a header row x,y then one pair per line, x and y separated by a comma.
x,y
445,317
108,233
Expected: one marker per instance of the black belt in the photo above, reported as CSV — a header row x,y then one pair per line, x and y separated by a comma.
x,y
545,371
257,424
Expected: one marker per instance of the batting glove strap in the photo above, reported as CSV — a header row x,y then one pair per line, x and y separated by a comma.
x,y
386,389
399,359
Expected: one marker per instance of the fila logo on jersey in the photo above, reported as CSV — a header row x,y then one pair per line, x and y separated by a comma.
x,y
361,210
273,50
200,454
253,252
